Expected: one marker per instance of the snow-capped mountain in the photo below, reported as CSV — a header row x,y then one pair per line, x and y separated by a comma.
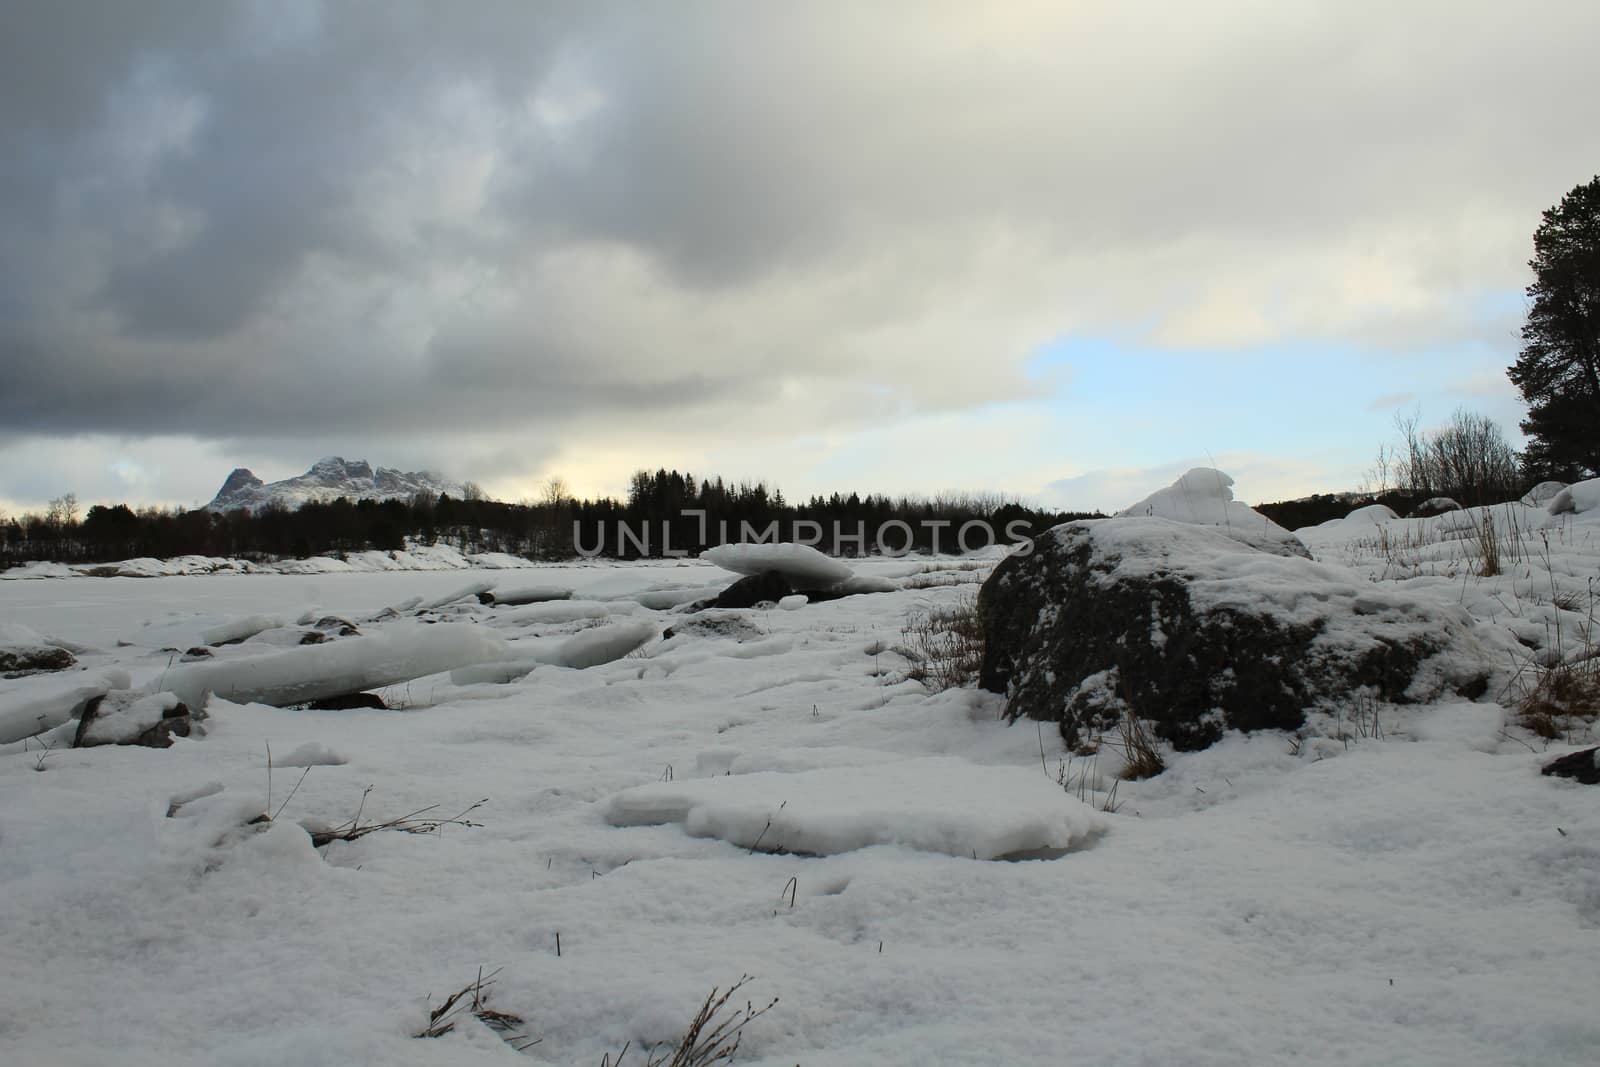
x,y
329,479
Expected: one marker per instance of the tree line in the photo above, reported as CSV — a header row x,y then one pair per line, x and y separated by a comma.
x,y
665,513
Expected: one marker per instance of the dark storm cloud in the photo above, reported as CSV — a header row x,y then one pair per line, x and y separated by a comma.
x,y
266,219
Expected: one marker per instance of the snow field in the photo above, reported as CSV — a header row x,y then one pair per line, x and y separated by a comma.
x,y
1427,898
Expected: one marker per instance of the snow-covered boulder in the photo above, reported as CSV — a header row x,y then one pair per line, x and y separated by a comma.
x,y
1197,632
1576,498
129,717
938,804
773,571
802,565
24,651
1204,497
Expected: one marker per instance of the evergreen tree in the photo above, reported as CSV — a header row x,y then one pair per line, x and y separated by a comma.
x,y
1558,370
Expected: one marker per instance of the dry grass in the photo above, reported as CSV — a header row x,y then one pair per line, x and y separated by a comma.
x,y
1557,696
1079,776
1361,722
944,646
416,822
473,998
1561,702
712,1037
1487,538
1141,752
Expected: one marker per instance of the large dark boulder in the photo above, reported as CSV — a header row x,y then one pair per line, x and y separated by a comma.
x,y
348,702
1197,632
1581,766
747,592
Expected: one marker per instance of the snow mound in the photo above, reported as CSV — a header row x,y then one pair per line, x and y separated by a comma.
x,y
587,648
124,715
675,596
14,634
312,754
863,583
558,611
41,704
354,664
1204,497
1542,494
938,804
471,589
1372,513
801,564
183,632
1577,498
603,644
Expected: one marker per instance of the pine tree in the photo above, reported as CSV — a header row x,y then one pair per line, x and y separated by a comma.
x,y
1558,370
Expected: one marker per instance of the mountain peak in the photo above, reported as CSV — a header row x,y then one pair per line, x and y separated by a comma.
x,y
329,478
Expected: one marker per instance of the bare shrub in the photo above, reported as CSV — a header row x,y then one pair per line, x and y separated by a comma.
x,y
1467,459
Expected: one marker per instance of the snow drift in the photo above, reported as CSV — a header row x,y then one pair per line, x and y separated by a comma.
x,y
1204,497
347,666
938,804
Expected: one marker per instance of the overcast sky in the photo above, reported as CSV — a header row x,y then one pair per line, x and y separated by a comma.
x,y
1065,250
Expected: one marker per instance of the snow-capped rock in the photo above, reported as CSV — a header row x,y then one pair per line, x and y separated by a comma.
x,y
329,479
1196,632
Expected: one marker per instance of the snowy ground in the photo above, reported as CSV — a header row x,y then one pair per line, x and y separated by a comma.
x,y
1426,897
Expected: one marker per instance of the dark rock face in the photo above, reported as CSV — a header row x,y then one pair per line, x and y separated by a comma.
x,y
1104,618
747,592
115,719
239,483
337,627
1579,766
329,479
16,661
348,701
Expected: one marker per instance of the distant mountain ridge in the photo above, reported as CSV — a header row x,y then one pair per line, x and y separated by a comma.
x,y
329,479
